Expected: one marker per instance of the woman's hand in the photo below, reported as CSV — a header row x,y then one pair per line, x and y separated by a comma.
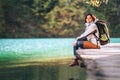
x,y
74,43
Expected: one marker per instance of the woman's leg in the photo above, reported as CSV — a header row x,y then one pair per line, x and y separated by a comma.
x,y
84,45
78,45
75,61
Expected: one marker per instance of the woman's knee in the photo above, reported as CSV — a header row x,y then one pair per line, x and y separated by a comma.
x,y
80,44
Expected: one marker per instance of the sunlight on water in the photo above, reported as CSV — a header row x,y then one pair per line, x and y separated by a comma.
x,y
38,48
53,47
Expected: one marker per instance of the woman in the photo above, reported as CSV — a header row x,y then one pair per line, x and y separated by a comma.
x,y
91,41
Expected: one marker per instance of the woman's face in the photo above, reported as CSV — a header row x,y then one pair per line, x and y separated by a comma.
x,y
89,19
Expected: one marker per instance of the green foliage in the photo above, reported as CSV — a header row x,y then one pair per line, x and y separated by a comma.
x,y
54,18
40,7
95,3
1,20
112,13
65,21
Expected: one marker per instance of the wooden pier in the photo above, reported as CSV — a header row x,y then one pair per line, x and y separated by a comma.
x,y
102,64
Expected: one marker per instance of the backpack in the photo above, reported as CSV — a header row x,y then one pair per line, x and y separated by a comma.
x,y
104,37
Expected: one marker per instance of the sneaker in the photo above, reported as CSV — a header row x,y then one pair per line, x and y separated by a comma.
x,y
74,63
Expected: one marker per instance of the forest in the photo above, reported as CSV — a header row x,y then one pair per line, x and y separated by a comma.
x,y
55,18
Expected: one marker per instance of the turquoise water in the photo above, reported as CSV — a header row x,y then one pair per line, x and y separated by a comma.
x,y
16,53
13,51
115,40
38,48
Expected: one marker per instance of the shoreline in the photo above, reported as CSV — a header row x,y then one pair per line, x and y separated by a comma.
x,y
35,62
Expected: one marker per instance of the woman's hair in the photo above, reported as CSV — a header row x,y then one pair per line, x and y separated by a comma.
x,y
93,17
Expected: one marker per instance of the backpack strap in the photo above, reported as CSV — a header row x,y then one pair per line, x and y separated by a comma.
x,y
93,32
97,39
107,36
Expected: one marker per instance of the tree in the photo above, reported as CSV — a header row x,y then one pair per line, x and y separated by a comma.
x,y
2,22
96,3
54,18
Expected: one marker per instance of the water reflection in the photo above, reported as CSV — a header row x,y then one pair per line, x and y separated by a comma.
x,y
46,71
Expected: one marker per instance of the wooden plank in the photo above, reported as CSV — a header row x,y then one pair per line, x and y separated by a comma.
x,y
102,64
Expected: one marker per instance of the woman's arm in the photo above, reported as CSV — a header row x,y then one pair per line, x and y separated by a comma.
x,y
88,31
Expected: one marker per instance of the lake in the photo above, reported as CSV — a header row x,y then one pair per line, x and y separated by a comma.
x,y
39,59
38,48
